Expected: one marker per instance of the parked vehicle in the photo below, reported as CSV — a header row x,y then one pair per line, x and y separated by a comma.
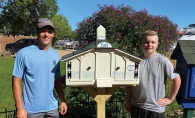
x,y
15,47
68,44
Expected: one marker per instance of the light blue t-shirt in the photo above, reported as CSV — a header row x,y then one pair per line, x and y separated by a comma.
x,y
38,70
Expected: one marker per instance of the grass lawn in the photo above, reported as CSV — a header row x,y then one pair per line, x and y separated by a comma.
x,y
6,95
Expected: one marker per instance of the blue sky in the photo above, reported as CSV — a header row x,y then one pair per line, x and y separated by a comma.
x,y
179,12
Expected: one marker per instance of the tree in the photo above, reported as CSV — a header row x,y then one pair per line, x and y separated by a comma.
x,y
21,16
62,28
1,3
125,28
109,17
74,35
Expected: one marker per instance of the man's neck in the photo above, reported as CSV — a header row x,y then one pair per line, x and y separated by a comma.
x,y
146,55
43,47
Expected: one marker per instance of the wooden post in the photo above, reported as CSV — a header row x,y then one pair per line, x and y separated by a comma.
x,y
100,95
101,103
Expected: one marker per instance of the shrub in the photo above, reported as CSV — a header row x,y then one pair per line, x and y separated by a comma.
x,y
125,26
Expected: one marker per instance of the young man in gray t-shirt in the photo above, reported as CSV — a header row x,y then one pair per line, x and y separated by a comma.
x,y
147,100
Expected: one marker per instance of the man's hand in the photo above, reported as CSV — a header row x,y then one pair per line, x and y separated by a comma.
x,y
127,106
63,108
164,101
21,113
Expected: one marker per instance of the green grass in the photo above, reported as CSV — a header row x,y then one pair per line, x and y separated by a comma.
x,y
6,95
62,68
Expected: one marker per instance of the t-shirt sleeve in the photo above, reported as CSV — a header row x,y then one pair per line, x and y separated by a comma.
x,y
170,71
19,65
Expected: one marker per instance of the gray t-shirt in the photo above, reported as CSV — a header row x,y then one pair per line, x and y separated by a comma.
x,y
153,74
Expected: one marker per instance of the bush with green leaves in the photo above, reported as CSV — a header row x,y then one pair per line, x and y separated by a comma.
x,y
20,16
125,27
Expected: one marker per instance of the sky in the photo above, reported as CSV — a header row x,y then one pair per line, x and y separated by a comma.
x,y
180,12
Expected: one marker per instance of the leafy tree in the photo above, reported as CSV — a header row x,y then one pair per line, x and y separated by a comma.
x,y
74,35
125,28
2,3
21,16
109,17
62,28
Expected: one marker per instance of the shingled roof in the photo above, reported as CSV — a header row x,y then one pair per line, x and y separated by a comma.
x,y
187,48
94,46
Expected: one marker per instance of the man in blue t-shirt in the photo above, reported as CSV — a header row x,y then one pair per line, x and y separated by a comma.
x,y
38,66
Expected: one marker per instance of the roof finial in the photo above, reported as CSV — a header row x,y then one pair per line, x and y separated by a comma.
x,y
101,33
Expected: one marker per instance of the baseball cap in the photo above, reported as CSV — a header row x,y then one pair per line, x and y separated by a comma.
x,y
44,22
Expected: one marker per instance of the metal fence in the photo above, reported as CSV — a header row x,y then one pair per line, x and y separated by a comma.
x,y
80,108
8,114
85,108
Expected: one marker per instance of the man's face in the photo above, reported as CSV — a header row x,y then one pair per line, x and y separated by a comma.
x,y
150,45
45,35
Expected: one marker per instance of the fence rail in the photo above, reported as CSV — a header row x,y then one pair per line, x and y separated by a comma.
x,y
8,113
80,108
84,109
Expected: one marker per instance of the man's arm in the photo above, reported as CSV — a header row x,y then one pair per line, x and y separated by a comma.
x,y
174,90
59,90
128,93
16,88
